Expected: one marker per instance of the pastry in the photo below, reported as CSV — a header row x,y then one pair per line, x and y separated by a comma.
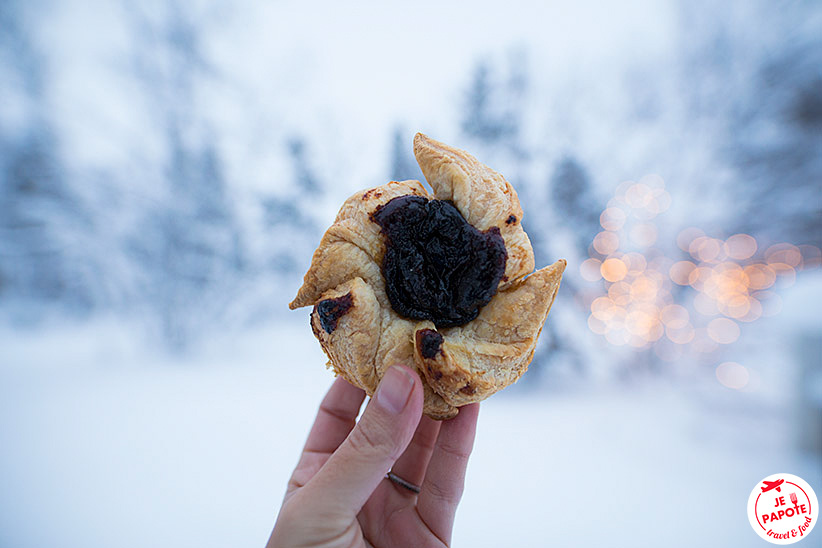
x,y
443,283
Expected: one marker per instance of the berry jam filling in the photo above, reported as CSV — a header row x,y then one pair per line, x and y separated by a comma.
x,y
331,310
429,342
437,266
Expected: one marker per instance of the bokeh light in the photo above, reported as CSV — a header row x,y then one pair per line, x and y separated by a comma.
x,y
675,316
784,254
606,242
680,272
740,247
620,293
732,375
723,330
685,237
706,249
638,195
811,256
589,270
754,312
636,263
691,305
771,302
613,269
760,276
680,335
613,218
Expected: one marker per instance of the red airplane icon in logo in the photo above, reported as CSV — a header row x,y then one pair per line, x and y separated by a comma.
x,y
773,485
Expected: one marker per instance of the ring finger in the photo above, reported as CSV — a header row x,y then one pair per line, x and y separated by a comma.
x,y
413,462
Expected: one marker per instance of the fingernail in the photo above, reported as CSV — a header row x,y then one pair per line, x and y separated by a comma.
x,y
393,392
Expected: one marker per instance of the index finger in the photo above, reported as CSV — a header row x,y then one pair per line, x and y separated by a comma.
x,y
335,420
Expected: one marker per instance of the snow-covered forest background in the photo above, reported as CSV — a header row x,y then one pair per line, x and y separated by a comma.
x,y
167,169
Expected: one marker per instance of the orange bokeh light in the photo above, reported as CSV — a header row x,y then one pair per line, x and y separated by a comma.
x,y
663,199
732,375
736,305
675,316
723,330
638,195
589,270
602,308
811,256
680,335
596,325
655,333
613,269
740,247
681,271
754,311
644,288
636,263
786,273
685,237
705,249
784,253
654,181
613,218
606,242
760,276
699,276
639,322
620,293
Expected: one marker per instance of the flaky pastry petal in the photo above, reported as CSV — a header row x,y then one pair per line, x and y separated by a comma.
x,y
353,246
493,350
482,195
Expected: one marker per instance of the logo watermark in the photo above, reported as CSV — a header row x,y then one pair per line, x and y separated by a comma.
x,y
783,509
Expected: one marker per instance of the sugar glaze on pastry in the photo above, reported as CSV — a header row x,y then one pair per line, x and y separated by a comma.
x,y
442,283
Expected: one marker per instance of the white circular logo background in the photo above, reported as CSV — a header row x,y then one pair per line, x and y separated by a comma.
x,y
783,509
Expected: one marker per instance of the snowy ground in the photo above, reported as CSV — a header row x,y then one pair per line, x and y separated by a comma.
x,y
102,448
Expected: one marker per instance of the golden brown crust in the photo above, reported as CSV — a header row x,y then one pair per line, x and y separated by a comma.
x,y
494,350
483,197
352,343
352,246
463,364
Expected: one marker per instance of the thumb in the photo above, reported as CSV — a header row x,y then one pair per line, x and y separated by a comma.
x,y
387,425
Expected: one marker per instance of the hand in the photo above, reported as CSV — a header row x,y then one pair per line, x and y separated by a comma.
x,y
338,494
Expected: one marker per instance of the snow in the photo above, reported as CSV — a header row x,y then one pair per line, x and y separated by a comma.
x,y
107,443
109,450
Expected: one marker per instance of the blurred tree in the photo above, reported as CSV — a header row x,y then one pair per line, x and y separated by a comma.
x,y
290,215
574,201
485,117
753,93
775,139
42,221
303,175
492,122
189,242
